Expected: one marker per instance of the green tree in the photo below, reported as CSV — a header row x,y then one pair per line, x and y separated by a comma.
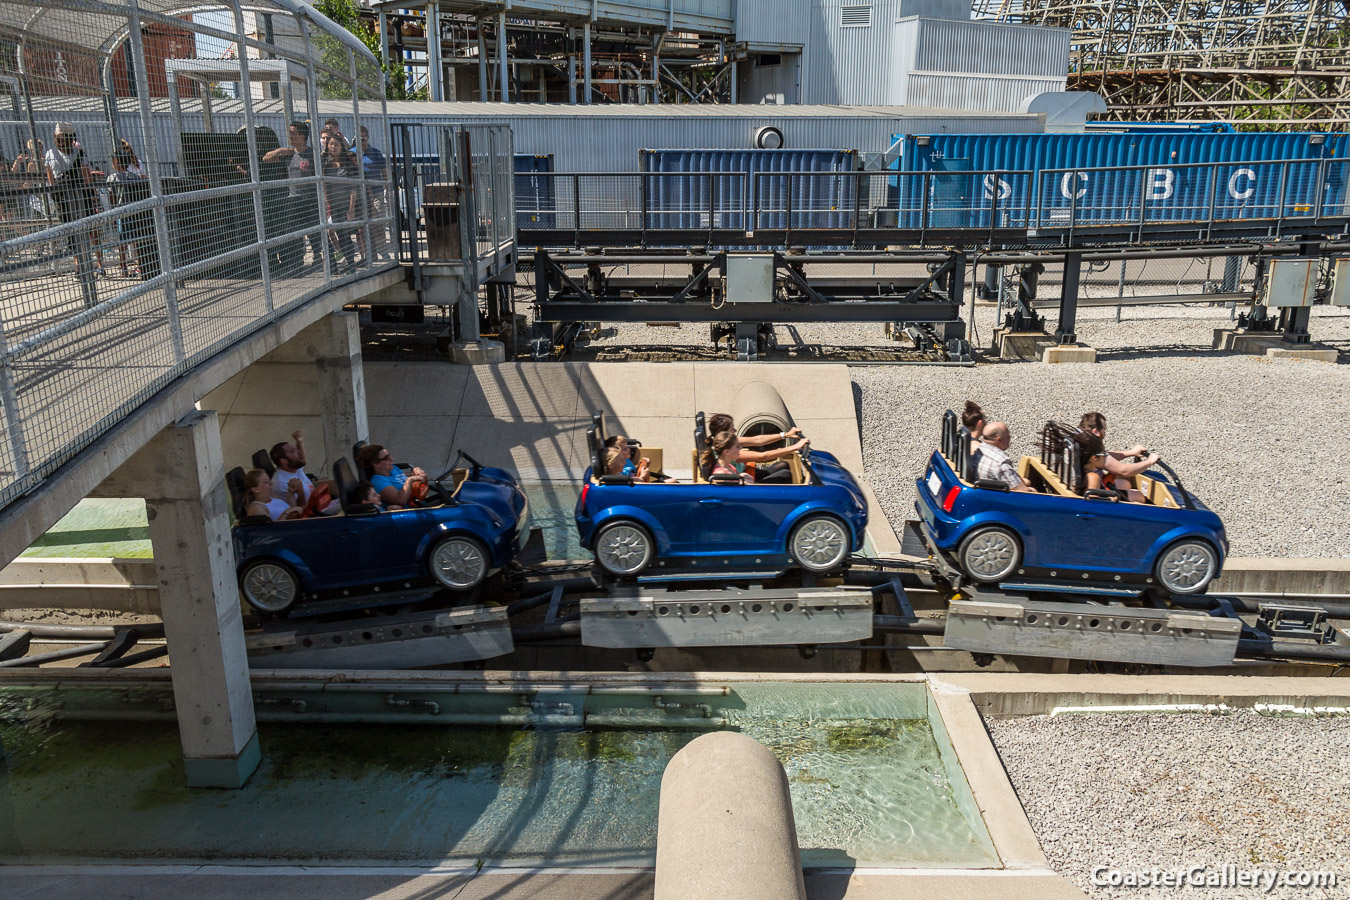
x,y
347,13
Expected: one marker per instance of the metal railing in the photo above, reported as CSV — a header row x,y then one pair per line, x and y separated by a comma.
x,y
896,207
476,159
81,345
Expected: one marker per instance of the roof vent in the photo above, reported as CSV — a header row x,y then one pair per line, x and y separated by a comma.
x,y
768,138
855,17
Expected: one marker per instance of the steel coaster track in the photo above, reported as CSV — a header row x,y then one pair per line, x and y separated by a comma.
x,y
560,585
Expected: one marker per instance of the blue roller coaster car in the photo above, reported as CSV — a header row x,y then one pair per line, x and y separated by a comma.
x,y
474,522
813,523
982,531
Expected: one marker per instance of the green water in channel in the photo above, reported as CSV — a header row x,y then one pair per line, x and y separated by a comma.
x,y
871,782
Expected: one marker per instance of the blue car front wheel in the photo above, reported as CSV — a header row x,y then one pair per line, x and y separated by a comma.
x,y
819,543
1186,567
990,554
624,549
269,586
458,562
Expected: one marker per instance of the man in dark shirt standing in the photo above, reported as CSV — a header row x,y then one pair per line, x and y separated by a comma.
x,y
375,169
302,201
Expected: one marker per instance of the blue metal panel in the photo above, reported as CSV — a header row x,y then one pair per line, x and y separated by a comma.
x,y
535,202
813,199
1190,176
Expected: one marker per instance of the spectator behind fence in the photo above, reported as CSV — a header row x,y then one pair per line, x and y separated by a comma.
x,y
302,200
134,167
72,189
376,169
341,165
120,194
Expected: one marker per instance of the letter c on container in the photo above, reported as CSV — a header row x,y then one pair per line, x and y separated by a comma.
x,y
1099,876
1065,189
1233,184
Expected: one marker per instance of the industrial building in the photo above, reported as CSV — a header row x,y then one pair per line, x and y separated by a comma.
x,y
853,52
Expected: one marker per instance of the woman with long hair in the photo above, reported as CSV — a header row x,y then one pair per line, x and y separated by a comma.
x,y
1091,463
341,164
722,457
720,423
973,418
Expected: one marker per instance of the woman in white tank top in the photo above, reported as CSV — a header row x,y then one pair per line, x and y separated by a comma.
x,y
260,502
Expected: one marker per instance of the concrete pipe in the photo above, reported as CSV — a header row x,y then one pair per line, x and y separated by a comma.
x,y
725,826
758,409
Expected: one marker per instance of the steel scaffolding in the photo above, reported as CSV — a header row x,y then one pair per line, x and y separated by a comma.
x,y
1283,64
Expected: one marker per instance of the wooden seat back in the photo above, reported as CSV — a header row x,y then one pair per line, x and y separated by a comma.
x,y
1034,472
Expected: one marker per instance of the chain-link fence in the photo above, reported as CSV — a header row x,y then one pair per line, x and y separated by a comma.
x,y
172,178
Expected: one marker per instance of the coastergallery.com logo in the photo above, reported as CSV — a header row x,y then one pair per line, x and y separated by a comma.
x,y
1265,880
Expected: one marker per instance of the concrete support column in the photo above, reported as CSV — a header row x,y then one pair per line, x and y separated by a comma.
x,y
181,475
333,346
342,383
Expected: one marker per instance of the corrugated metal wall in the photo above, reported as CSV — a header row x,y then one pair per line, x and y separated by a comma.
x,y
990,48
597,141
963,64
974,92
977,65
600,142
853,65
1250,182
805,201
771,21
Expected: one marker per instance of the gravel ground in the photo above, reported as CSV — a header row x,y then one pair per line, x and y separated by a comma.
x,y
1226,422
1138,791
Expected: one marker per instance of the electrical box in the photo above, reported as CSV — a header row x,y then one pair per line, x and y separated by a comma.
x,y
1340,283
1290,282
750,278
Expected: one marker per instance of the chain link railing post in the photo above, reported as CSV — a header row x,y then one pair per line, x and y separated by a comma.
x,y
368,255
321,191
162,244
9,399
254,167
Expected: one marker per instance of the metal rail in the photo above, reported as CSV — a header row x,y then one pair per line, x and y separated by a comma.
x,y
994,209
852,618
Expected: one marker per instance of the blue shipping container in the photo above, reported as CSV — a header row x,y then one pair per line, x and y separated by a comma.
x,y
1250,177
535,200
753,197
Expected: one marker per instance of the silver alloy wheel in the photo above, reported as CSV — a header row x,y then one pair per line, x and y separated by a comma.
x,y
269,586
624,548
458,563
990,554
1186,567
819,544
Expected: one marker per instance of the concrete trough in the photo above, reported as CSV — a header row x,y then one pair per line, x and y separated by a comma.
x,y
1079,631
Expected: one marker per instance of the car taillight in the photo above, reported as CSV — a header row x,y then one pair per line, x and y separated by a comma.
x,y
950,500
585,488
